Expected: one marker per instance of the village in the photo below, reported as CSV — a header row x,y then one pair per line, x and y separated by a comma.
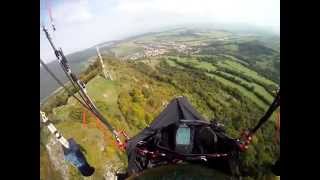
x,y
161,48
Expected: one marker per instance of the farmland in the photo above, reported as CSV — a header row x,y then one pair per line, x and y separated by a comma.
x,y
225,77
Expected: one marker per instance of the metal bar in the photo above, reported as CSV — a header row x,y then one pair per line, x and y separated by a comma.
x,y
53,130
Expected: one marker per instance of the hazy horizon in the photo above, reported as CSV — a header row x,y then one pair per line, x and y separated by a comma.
x,y
82,23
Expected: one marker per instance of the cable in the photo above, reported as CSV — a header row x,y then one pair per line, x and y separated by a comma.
x,y
77,82
93,111
62,85
53,130
246,136
66,69
50,14
275,104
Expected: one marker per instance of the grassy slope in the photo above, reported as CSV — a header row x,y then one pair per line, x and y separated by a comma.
x,y
200,65
99,147
229,64
126,48
247,93
239,67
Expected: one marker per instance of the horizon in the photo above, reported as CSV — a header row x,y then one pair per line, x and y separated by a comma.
x,y
81,23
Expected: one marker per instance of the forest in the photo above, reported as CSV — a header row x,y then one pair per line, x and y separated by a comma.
x,y
228,92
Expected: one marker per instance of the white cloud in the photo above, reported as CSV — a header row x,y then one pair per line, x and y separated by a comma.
x,y
79,25
259,12
72,12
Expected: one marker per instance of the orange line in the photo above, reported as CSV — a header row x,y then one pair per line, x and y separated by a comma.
x,y
103,129
84,119
97,123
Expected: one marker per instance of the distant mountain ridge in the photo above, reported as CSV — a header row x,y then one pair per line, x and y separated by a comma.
x,y
78,61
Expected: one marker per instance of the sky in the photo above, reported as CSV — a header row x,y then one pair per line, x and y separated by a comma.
x,y
83,23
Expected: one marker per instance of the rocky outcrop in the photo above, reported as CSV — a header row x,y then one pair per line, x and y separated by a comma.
x,y
57,158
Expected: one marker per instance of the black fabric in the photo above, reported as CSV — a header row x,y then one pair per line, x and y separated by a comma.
x,y
206,141
179,108
161,135
276,168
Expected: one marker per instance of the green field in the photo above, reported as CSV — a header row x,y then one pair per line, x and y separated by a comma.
x,y
126,48
141,89
257,88
173,64
239,67
235,66
200,65
241,89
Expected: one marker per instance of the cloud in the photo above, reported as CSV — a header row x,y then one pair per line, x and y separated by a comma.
x,y
259,12
72,12
83,23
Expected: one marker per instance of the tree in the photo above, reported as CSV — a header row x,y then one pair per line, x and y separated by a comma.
x,y
136,95
76,113
146,92
101,105
148,118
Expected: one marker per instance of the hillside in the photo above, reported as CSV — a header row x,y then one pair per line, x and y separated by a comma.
x,y
225,76
77,60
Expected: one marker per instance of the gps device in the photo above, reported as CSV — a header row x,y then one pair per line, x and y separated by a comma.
x,y
183,139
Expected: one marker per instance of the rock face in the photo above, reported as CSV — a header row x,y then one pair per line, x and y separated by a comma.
x,y
109,172
111,169
57,158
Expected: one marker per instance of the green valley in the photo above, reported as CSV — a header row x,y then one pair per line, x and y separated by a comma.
x,y
226,77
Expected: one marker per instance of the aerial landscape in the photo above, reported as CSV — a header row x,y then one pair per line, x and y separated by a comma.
x,y
227,75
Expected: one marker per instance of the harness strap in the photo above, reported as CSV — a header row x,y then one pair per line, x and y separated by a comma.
x,y
246,136
275,104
